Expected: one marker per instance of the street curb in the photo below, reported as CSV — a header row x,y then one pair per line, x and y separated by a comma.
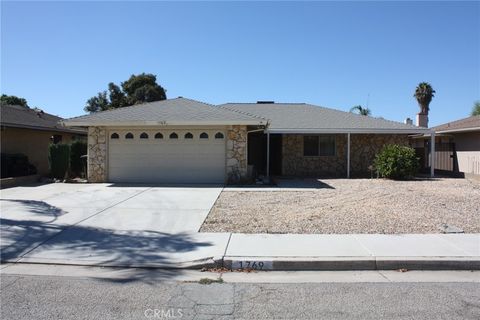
x,y
351,263
194,264
292,264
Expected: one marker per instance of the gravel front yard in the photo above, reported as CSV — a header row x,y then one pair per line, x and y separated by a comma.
x,y
351,206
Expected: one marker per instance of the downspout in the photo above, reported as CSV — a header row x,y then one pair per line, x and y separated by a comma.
x,y
432,154
268,151
268,155
348,155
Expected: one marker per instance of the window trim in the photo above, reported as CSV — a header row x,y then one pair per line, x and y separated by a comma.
x,y
320,155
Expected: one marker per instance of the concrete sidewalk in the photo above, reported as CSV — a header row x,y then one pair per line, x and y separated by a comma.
x,y
353,252
274,252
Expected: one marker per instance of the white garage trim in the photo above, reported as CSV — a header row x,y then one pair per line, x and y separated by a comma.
x,y
166,160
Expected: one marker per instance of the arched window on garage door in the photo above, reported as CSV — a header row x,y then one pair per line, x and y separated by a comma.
x,y
188,135
204,135
129,135
144,135
173,135
219,135
114,136
158,135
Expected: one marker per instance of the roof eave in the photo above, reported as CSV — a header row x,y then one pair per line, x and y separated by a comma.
x,y
350,130
459,130
159,123
56,129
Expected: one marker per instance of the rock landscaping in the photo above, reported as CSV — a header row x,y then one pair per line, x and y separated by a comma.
x,y
341,206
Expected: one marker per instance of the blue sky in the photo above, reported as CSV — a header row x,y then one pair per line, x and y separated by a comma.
x,y
58,54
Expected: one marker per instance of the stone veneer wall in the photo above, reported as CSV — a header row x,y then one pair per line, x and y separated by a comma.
x,y
294,163
363,148
236,154
97,154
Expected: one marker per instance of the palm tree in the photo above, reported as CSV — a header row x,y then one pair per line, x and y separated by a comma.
x,y
476,109
424,94
361,110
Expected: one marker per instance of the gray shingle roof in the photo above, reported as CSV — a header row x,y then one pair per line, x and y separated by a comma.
x,y
171,111
22,117
288,117
282,117
472,123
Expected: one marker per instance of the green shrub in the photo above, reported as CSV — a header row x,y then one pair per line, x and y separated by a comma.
x,y
16,165
77,164
59,160
396,162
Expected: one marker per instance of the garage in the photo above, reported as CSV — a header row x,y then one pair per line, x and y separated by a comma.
x,y
166,155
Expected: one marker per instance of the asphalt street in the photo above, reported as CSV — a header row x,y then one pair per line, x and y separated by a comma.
x,y
71,297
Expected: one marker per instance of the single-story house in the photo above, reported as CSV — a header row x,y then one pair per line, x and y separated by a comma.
x,y
458,146
186,141
30,131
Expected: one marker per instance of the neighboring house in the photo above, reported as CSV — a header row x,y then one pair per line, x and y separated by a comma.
x,y
186,141
30,131
463,138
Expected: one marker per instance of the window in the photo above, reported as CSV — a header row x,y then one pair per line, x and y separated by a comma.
x,y
310,146
204,135
218,135
144,135
314,146
188,135
56,138
129,136
327,145
173,135
114,136
158,135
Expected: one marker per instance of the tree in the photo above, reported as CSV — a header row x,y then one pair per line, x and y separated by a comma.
x,y
361,110
117,96
137,89
143,88
476,109
13,101
424,94
98,103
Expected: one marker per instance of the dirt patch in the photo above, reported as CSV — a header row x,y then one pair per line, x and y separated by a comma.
x,y
351,206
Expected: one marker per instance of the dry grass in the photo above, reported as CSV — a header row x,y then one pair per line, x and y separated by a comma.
x,y
351,206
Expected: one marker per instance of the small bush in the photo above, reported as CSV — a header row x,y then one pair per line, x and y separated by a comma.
x,y
59,160
77,164
16,165
396,162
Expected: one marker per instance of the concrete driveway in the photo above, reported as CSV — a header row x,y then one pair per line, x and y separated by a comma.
x,y
108,224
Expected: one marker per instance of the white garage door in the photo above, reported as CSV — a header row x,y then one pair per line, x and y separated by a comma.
x,y
167,156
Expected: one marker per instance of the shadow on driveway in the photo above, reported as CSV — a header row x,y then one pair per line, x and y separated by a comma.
x,y
36,207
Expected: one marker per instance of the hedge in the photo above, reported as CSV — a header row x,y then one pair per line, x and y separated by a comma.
x,y
77,164
59,160
396,162
66,160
